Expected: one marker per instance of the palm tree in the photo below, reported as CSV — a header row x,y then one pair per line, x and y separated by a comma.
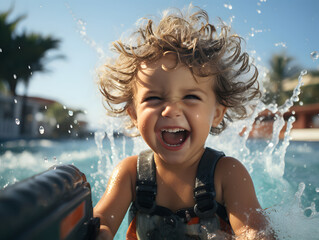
x,y
32,56
8,49
280,69
21,55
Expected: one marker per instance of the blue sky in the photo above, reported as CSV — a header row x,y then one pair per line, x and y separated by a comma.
x,y
268,26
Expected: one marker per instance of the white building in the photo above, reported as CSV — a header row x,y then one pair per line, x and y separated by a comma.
x,y
11,117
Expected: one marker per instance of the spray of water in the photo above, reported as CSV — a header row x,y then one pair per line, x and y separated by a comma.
x,y
286,213
266,166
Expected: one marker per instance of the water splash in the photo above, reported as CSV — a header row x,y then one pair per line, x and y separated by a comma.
x,y
17,121
314,55
289,220
41,130
228,6
81,24
281,44
266,166
70,113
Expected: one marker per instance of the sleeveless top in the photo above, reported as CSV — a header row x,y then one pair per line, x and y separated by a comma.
x,y
149,221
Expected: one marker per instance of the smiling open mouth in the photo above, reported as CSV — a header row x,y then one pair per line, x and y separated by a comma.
x,y
174,137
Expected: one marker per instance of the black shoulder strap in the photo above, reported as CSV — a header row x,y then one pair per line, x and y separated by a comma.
x,y
204,191
146,187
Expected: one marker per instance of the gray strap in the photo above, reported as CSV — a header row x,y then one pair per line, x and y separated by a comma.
x,y
204,191
146,188
146,167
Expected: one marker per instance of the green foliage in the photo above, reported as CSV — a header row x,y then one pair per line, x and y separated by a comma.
x,y
3,88
65,121
280,69
309,94
21,54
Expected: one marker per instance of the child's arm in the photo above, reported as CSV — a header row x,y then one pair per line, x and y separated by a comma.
x,y
239,197
114,203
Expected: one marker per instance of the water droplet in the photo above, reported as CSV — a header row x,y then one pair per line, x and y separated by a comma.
x,y
0,50
230,7
317,189
15,100
283,44
71,126
258,11
64,107
112,216
45,107
41,129
29,67
14,76
17,121
301,103
69,131
303,72
293,112
70,113
58,126
314,55
270,145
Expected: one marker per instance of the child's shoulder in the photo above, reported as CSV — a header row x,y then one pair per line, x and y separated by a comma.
x,y
229,169
229,163
232,178
127,165
126,170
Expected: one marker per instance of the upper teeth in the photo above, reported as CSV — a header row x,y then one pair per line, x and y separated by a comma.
x,y
173,130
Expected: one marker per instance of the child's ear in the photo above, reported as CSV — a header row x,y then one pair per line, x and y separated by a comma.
x,y
219,114
132,113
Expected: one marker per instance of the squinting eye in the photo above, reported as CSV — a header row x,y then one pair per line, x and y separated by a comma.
x,y
151,98
192,97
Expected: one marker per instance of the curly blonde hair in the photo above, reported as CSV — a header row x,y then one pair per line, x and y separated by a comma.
x,y
199,46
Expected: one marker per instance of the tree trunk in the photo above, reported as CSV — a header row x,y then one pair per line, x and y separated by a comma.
x,y
23,122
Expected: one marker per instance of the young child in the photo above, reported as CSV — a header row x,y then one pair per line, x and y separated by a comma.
x,y
178,82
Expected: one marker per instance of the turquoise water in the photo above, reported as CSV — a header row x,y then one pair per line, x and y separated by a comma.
x,y
292,199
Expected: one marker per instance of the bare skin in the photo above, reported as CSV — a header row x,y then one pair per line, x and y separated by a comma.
x,y
234,190
169,100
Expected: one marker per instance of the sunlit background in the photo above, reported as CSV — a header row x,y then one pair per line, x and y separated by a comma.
x,y
85,27
54,115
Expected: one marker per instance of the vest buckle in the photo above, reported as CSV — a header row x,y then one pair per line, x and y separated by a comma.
x,y
145,196
206,204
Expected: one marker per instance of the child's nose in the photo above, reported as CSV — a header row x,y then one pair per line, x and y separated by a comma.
x,y
171,110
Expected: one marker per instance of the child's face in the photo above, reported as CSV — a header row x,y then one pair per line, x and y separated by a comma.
x,y
172,111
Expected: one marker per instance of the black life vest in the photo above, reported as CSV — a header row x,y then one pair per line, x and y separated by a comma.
x,y
151,221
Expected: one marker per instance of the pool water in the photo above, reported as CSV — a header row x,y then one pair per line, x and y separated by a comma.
x,y
291,196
